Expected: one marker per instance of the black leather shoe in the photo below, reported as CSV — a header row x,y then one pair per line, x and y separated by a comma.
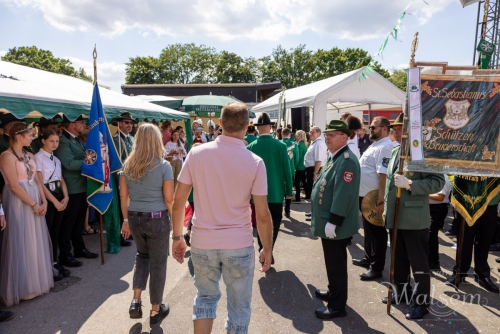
x,y
450,281
322,294
86,254
450,232
164,310
328,313
417,312
57,277
187,239
65,272
6,316
487,283
70,262
495,247
361,263
308,214
125,243
287,214
370,275
135,310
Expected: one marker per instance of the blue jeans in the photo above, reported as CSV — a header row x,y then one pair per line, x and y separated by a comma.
x,y
237,269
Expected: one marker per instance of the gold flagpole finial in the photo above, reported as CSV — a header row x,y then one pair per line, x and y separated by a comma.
x,y
95,63
414,46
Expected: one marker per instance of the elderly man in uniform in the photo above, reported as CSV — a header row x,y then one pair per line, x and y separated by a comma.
x,y
412,248
123,143
279,176
71,152
334,202
397,130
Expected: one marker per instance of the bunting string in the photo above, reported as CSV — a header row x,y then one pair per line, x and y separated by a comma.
x,y
394,34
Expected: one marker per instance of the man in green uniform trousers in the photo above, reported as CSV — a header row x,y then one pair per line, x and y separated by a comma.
x,y
279,176
413,233
71,152
334,215
123,144
293,155
250,137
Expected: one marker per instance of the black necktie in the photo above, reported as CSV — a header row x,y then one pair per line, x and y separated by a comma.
x,y
51,157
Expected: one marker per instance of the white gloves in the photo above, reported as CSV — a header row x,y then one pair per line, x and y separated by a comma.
x,y
402,182
330,230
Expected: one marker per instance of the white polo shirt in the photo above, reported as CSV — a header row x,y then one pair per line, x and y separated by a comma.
x,y
373,162
317,151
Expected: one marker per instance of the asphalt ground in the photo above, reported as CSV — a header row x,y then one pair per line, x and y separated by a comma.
x,y
95,298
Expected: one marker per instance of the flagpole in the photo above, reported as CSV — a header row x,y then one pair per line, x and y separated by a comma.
x,y
101,223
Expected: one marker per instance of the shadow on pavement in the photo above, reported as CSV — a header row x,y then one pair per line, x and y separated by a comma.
x,y
287,296
297,228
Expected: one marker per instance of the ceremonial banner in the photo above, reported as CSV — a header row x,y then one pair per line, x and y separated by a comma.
x,y
415,111
461,124
101,159
472,194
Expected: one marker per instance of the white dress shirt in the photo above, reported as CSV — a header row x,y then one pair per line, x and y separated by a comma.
x,y
317,151
373,162
172,146
48,166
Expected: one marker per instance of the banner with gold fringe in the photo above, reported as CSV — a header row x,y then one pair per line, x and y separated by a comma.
x,y
472,194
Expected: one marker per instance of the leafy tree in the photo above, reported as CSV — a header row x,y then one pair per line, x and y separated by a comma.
x,y
399,78
44,60
186,63
233,69
333,62
142,70
292,67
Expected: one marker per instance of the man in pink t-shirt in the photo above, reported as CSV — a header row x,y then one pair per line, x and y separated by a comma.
x,y
221,236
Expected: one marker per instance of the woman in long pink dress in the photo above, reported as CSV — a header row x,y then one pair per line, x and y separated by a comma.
x,y
26,257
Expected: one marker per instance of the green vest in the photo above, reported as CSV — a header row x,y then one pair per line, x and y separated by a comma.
x,y
279,176
123,145
414,211
335,196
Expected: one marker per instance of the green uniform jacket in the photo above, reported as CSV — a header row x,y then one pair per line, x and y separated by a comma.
x,y
414,211
279,176
124,148
335,196
71,152
250,139
293,153
302,153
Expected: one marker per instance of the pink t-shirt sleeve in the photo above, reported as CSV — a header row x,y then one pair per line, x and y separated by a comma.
x,y
259,187
185,174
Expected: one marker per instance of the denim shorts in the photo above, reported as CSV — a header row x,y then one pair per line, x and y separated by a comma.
x,y
236,266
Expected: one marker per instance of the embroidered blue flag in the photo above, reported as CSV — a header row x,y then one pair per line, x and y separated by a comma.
x,y
101,159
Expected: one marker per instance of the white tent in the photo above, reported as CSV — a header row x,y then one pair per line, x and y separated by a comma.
x,y
344,92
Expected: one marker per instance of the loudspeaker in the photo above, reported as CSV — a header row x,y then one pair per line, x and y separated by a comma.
x,y
300,118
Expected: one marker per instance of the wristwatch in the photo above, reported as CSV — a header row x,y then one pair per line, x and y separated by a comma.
x,y
177,238
125,220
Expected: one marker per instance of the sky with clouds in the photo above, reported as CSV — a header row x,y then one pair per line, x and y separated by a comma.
x,y
129,28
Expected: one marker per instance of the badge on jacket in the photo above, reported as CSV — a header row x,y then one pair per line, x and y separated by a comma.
x,y
348,176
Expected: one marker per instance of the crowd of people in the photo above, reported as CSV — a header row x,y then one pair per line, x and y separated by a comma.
x,y
44,208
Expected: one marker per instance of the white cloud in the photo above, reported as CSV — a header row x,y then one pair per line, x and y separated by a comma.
x,y
2,53
228,20
108,73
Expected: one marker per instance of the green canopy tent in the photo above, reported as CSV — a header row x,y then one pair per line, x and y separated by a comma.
x,y
207,105
30,93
